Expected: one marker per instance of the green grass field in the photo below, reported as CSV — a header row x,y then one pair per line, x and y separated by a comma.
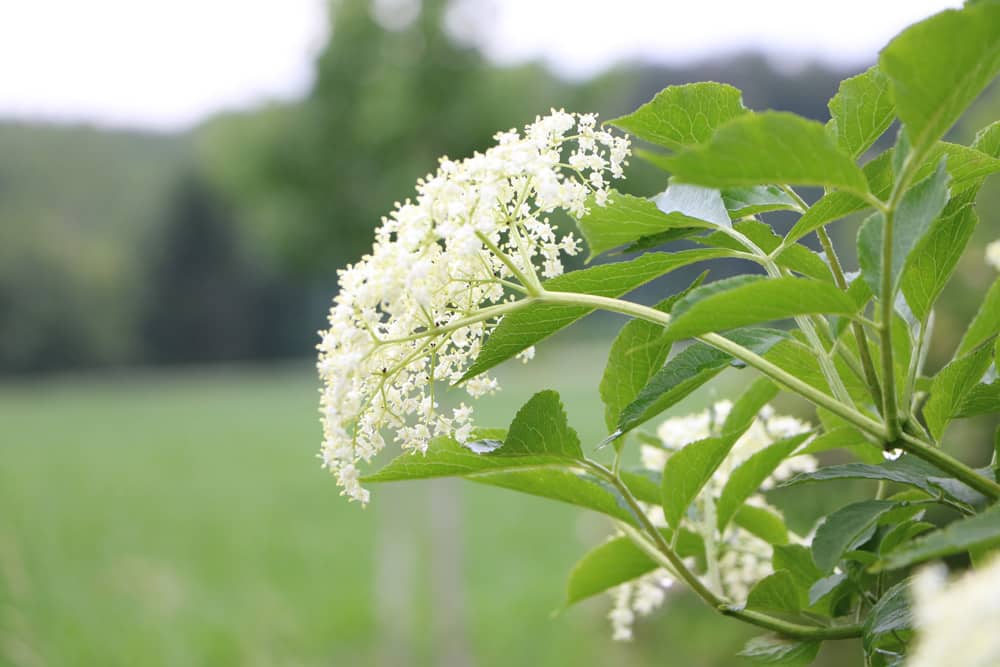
x,y
180,518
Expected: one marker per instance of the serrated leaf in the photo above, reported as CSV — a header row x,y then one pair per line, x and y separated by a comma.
x,y
939,66
686,371
934,260
625,218
842,531
917,210
907,470
687,471
986,322
747,478
523,328
540,428
891,614
776,592
861,111
763,523
447,458
775,650
608,565
707,309
983,399
639,350
981,530
742,201
951,385
766,148
835,205
902,533
685,115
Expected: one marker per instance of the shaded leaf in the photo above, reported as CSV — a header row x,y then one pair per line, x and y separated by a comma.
x,y
891,614
639,350
777,592
986,322
775,650
750,200
983,399
686,371
979,531
951,385
763,523
608,565
846,529
861,111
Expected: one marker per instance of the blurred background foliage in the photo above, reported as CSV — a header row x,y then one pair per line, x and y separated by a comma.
x,y
174,516
105,234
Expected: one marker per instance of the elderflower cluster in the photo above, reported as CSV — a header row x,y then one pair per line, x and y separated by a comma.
x,y
957,622
742,558
416,309
993,254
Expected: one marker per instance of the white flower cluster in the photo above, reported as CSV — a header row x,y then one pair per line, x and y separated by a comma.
x,y
993,254
416,309
957,622
743,559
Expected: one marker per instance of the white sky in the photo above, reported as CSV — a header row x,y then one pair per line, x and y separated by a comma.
x,y
166,65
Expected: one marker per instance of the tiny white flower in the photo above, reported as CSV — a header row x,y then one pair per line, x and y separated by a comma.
x,y
993,254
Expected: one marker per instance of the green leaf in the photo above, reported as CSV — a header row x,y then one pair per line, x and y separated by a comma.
x,y
775,650
861,111
835,205
776,592
447,458
608,565
797,561
747,478
625,218
525,327
902,533
708,309
937,67
975,532
763,523
907,470
687,471
795,257
742,201
686,371
568,486
745,410
934,260
983,399
766,148
822,587
951,385
639,350
846,529
685,115
985,324
917,210
891,614
540,428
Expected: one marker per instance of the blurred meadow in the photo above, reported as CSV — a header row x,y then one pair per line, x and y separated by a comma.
x,y
160,499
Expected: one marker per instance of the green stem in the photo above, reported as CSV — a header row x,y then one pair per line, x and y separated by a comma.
x,y
779,375
890,409
674,564
867,364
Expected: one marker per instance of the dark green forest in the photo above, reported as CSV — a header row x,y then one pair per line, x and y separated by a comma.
x,y
222,243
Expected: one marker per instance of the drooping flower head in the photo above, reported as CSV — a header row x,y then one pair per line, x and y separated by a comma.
x,y
416,309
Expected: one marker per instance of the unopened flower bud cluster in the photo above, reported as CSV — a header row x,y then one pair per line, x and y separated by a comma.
x,y
743,559
397,325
